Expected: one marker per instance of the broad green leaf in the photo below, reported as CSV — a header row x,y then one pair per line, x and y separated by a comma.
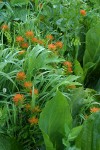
x,y
74,133
48,143
77,100
91,59
92,51
78,70
20,14
89,137
53,119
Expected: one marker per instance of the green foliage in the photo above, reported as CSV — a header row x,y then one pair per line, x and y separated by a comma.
x,y
78,70
74,133
92,46
20,2
7,143
88,138
39,58
97,2
91,59
53,119
68,67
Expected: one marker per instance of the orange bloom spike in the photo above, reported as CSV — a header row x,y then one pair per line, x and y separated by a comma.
x,y
41,42
19,39
36,92
29,34
35,40
5,27
28,107
20,76
70,70
36,109
67,63
52,46
18,98
59,44
83,12
50,37
33,120
24,45
28,84
94,109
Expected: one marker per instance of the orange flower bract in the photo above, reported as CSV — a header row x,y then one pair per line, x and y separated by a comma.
x,y
70,70
28,107
19,39
94,109
29,34
49,37
20,75
5,27
18,98
83,12
67,63
24,45
41,42
36,91
52,46
36,109
33,120
35,40
28,84
59,44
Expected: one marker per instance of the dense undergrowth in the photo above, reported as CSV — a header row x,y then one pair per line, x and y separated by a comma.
x,y
49,75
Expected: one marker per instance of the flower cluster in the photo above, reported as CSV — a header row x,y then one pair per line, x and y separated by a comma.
x,y
83,12
18,98
4,27
94,109
68,65
20,75
33,120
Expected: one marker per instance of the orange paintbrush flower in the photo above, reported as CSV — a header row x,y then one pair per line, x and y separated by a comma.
x,y
29,34
18,98
24,45
52,46
34,40
28,84
50,37
4,27
36,109
19,39
41,42
67,63
94,109
33,120
20,75
59,44
69,70
28,107
83,12
36,92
